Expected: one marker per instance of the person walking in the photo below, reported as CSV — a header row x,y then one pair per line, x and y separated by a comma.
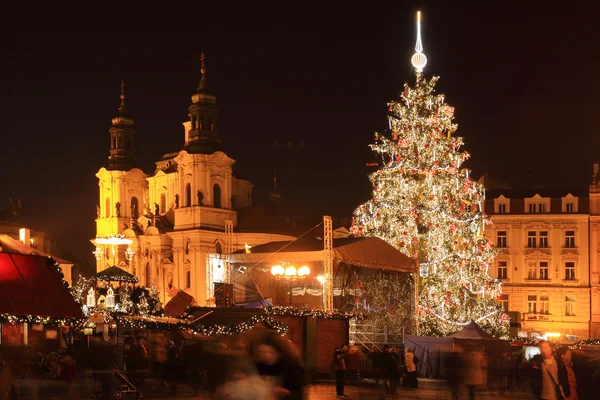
x,y
410,360
550,380
339,368
565,354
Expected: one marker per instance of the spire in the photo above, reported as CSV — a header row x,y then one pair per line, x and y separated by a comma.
x,y
122,155
202,131
202,84
418,60
274,196
122,107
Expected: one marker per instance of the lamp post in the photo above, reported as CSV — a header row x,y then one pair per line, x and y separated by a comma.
x,y
290,275
113,241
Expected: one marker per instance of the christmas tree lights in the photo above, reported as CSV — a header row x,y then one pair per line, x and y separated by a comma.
x,y
427,206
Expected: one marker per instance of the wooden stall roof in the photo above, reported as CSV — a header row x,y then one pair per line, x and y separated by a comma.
x,y
30,285
368,252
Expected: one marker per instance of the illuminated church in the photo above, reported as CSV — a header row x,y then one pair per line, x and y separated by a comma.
x,y
181,218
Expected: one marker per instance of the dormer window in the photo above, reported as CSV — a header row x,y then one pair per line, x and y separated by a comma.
x,y
537,204
569,203
501,208
501,205
569,207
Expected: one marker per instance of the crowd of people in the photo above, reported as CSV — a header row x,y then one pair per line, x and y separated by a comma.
x,y
392,365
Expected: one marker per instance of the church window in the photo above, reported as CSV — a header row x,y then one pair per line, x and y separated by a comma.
x,y
113,144
216,196
163,202
193,122
210,123
128,143
188,195
188,279
107,207
134,207
200,122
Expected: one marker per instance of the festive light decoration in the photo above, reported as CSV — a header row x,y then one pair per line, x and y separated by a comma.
x,y
91,298
110,298
426,206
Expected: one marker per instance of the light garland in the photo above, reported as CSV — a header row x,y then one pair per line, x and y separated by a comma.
x,y
426,206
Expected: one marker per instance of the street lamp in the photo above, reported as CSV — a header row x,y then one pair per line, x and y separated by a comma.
x,y
114,241
290,275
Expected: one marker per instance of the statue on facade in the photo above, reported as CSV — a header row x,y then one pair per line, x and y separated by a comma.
x,y
176,201
200,197
97,211
118,209
156,209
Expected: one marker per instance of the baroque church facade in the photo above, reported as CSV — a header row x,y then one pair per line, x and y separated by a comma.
x,y
182,218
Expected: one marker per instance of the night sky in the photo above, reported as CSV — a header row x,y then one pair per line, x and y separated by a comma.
x,y
301,86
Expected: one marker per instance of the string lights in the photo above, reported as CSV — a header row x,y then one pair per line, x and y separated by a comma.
x,y
426,206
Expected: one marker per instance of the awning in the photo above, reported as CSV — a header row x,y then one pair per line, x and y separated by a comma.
x,y
115,274
368,252
30,285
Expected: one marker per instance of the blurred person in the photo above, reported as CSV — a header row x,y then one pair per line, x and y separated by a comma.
x,y
391,369
243,383
6,380
353,363
160,357
566,356
276,364
587,370
67,371
454,370
475,371
410,360
338,365
549,374
129,349
505,372
525,374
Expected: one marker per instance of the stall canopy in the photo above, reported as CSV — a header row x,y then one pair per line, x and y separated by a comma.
x,y
368,252
30,285
115,274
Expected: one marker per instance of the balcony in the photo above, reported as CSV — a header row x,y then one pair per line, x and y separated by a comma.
x,y
537,316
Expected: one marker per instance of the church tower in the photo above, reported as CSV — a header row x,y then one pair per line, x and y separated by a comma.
x,y
122,186
122,139
202,130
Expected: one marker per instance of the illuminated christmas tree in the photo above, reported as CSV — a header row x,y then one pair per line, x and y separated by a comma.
x,y
425,205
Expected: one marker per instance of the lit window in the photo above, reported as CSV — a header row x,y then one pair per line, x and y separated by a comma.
x,y
502,270
531,271
544,305
543,239
503,300
163,202
544,270
532,304
188,279
531,239
501,242
570,271
570,305
570,239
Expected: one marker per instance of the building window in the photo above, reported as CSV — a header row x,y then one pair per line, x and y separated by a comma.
x,y
531,239
107,208
543,239
541,208
502,270
200,122
501,208
163,202
531,271
544,307
570,239
188,195
532,304
570,304
569,207
216,196
194,122
544,270
501,242
570,271
532,208
503,300
188,279
134,207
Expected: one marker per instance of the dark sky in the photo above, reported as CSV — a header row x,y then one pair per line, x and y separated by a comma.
x,y
524,81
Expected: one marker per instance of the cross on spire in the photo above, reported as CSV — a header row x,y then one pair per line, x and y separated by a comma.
x,y
202,84
122,107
